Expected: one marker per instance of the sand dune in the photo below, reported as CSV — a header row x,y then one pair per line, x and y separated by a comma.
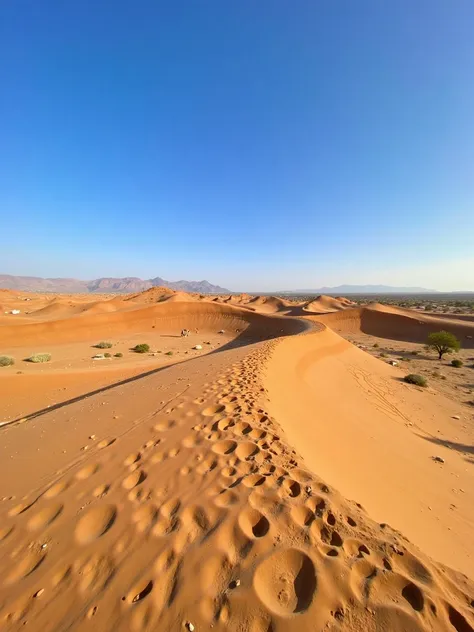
x,y
164,317
323,304
213,493
397,324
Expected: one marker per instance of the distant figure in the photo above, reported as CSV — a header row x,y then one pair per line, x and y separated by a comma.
x,y
185,333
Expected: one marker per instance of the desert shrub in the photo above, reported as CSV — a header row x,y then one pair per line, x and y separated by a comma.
x,y
104,345
383,355
457,364
414,352
6,361
442,342
376,346
141,348
169,353
413,378
118,355
39,357
436,374
107,355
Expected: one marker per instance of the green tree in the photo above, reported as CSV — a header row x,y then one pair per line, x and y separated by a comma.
x,y
442,342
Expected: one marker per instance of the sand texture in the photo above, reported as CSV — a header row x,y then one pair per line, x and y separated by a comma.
x,y
277,479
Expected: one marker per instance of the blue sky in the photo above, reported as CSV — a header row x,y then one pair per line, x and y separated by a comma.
x,y
261,145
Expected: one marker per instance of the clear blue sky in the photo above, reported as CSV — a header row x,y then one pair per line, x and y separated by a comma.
x,y
259,144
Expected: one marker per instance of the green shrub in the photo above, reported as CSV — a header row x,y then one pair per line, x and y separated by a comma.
x,y
6,361
457,364
418,380
107,355
104,345
39,357
141,348
169,353
118,355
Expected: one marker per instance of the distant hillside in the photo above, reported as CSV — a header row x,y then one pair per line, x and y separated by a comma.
x,y
365,289
104,285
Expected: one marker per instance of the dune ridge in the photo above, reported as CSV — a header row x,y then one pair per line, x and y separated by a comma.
x,y
397,324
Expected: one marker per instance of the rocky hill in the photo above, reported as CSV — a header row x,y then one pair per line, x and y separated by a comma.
x,y
104,285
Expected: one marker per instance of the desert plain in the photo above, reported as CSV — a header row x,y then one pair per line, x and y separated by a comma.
x,y
269,472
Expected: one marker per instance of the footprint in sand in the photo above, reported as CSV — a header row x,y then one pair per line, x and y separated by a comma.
x,y
87,471
246,450
286,582
134,479
213,410
44,517
253,523
56,489
224,447
94,523
30,562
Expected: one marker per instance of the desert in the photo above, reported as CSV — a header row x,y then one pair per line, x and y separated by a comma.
x,y
237,316
269,471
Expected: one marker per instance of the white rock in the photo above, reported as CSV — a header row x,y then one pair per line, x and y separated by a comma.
x,y
198,347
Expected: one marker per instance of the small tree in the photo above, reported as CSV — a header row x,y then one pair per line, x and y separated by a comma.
x,y
443,342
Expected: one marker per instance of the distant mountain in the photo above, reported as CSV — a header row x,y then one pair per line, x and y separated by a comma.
x,y
104,285
365,289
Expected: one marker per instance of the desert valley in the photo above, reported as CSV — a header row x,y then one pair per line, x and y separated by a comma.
x,y
270,470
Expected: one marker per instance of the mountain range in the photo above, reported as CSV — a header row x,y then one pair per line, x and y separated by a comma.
x,y
104,285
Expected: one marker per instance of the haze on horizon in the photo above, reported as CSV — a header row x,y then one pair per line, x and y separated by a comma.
x,y
262,146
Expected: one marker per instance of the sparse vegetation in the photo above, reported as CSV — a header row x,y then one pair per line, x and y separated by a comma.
x,y
39,357
170,353
6,360
141,348
118,355
442,342
436,374
457,364
383,355
418,380
376,345
415,352
107,355
104,345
